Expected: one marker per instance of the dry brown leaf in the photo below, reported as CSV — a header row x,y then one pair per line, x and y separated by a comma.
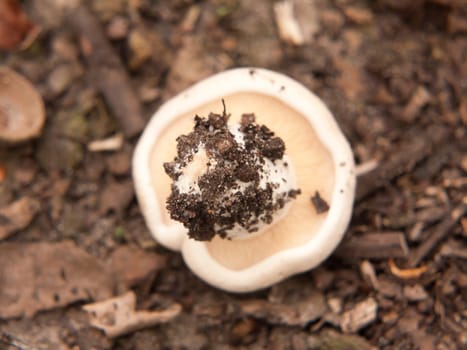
x,y
17,215
361,315
298,312
117,316
43,276
14,24
143,264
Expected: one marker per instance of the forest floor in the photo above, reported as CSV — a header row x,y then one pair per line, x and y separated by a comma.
x,y
393,72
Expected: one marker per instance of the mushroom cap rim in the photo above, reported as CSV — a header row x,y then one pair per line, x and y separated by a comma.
x,y
284,263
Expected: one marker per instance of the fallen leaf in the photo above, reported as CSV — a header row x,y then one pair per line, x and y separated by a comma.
x,y
143,264
17,215
14,24
332,340
289,303
361,315
43,276
117,316
116,196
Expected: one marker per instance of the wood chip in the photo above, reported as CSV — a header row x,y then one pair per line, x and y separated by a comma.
x,y
358,15
457,23
113,143
416,146
289,29
374,245
368,273
106,70
190,19
359,316
287,308
459,182
440,231
329,339
415,292
419,99
43,276
454,249
366,167
117,316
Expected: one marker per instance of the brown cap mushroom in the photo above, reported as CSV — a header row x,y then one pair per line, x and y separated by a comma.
x,y
318,153
22,112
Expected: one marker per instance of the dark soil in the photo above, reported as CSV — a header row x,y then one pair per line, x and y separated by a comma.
x,y
220,203
394,73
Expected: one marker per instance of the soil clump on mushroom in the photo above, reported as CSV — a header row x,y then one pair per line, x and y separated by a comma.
x,y
234,188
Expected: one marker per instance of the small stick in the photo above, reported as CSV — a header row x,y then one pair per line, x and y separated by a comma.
x,y
412,150
106,71
406,273
377,245
440,231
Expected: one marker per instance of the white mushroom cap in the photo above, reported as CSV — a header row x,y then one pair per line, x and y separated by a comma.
x,y
252,272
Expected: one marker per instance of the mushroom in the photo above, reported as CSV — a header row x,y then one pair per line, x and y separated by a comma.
x,y
22,112
310,225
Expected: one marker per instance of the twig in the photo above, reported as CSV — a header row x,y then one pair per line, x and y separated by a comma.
x,y
415,147
289,29
106,71
406,273
376,245
439,232
112,143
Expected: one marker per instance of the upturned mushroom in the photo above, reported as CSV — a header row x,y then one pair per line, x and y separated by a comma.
x,y
248,175
22,112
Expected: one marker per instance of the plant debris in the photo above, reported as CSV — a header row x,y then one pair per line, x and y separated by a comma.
x,y
117,316
321,206
43,276
391,72
22,111
361,315
15,25
17,216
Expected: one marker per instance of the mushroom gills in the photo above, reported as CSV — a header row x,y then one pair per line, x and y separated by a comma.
x,y
314,170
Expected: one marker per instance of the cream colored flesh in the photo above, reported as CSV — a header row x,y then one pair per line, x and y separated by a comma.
x,y
313,166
